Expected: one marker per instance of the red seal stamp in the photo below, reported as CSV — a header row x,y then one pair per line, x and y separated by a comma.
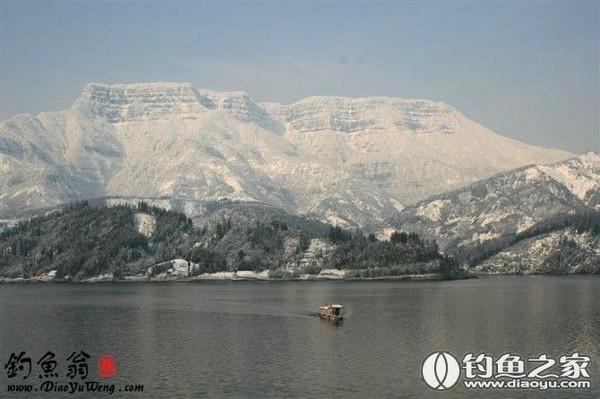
x,y
107,367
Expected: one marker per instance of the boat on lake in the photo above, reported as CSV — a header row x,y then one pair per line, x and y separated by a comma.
x,y
331,311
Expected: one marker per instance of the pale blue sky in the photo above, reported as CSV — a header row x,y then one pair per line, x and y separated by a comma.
x,y
529,70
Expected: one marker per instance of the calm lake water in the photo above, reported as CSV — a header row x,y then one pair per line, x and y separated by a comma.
x,y
250,339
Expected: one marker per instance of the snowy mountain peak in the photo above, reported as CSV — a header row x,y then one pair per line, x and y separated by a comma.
x,y
352,161
580,175
591,159
141,101
371,101
237,103
163,100
144,86
350,115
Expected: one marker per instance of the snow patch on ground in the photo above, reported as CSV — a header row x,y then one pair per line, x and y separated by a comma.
x,y
239,275
179,268
579,181
145,224
216,276
250,275
315,252
432,210
337,221
386,233
45,277
397,204
333,273
493,217
99,278
481,237
525,223
532,174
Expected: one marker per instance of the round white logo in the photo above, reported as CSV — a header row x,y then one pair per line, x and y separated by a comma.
x,y
440,370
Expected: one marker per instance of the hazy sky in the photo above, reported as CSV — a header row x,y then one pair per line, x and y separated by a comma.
x,y
529,70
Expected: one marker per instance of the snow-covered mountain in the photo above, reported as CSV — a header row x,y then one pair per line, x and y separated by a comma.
x,y
349,161
559,252
493,211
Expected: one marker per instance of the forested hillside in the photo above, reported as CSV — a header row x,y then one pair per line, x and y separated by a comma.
x,y
81,241
560,245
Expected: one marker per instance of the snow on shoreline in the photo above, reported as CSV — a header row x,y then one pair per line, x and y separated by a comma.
x,y
241,275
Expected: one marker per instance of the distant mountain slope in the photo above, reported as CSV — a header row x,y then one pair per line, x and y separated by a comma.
x,y
507,203
353,162
558,252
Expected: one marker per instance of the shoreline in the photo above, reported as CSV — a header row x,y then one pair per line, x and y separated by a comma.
x,y
220,278
405,278
263,277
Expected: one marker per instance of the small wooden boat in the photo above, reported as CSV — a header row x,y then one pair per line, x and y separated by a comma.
x,y
331,311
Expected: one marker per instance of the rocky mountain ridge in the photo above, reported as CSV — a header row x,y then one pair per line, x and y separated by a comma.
x,y
353,162
535,219
564,251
